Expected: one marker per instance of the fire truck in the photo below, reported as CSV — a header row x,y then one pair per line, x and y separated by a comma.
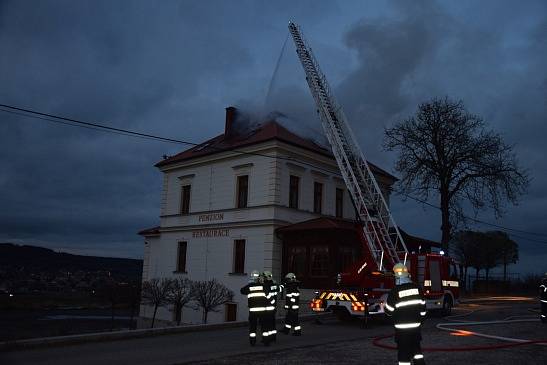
x,y
362,290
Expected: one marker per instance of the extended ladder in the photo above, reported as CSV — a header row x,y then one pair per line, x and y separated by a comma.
x,y
382,234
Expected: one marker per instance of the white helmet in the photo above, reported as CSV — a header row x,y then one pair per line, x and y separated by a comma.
x,y
267,275
400,270
255,275
290,277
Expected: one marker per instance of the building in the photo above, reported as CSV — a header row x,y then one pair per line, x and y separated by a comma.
x,y
265,199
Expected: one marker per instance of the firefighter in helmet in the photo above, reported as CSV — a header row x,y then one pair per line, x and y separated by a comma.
x,y
406,305
271,308
257,301
292,300
543,298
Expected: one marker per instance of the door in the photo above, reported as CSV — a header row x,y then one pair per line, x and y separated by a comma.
x,y
435,275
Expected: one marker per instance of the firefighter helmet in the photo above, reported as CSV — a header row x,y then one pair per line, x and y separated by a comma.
x,y
255,275
290,277
267,275
400,270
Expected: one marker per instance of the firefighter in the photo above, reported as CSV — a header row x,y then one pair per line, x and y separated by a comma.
x,y
257,301
271,309
543,298
406,305
292,300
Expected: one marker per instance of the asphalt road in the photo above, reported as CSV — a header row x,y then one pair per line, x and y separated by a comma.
x,y
330,342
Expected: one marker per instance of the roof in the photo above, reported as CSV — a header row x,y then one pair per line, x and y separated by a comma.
x,y
265,132
150,231
319,224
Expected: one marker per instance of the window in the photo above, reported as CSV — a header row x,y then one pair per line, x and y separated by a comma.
x,y
231,312
317,197
297,261
319,259
293,191
181,257
185,199
339,203
346,257
239,257
242,191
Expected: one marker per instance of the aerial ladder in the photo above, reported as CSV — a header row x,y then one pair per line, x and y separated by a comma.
x,y
381,233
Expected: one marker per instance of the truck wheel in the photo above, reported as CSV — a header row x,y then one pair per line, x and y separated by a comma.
x,y
447,306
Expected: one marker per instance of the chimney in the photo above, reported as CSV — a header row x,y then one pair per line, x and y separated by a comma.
x,y
230,117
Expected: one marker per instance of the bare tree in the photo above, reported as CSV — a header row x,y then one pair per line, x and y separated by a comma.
x,y
209,295
507,250
180,295
155,292
445,149
461,248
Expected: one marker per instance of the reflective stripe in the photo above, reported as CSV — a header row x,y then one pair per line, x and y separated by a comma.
x,y
409,302
255,288
273,332
423,313
293,300
404,363
294,307
451,283
418,356
273,301
427,282
257,309
389,308
273,287
543,316
254,295
408,292
543,301
265,334
292,294
407,325
252,334
286,307
288,326
297,328
270,308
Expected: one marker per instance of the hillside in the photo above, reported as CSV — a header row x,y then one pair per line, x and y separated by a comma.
x,y
38,259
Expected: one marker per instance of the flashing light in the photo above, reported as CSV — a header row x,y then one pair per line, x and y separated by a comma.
x,y
442,252
11,295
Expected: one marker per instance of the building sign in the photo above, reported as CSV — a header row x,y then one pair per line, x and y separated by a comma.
x,y
223,232
211,217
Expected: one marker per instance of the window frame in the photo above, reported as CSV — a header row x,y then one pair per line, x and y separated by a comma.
x,y
185,258
294,195
339,203
239,201
318,197
185,203
238,261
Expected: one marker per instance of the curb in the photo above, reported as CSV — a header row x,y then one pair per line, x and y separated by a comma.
x,y
128,334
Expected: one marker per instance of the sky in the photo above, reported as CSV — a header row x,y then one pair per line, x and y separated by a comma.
x,y
170,68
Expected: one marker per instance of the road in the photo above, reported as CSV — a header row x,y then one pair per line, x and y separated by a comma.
x,y
330,342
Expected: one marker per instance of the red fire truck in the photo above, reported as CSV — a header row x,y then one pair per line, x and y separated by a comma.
x,y
363,289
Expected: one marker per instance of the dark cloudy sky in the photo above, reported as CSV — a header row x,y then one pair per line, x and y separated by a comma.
x,y
170,68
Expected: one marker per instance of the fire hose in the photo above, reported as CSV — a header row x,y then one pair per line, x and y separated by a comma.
x,y
444,327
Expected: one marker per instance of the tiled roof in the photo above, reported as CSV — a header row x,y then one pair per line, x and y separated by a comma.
x,y
266,132
150,231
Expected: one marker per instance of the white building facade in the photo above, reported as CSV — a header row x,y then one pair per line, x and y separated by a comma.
x,y
221,204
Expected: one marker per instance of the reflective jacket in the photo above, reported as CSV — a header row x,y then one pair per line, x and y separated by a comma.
x,y
406,304
256,296
292,296
274,290
543,291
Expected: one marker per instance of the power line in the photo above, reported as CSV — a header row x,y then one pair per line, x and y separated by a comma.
x,y
126,132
